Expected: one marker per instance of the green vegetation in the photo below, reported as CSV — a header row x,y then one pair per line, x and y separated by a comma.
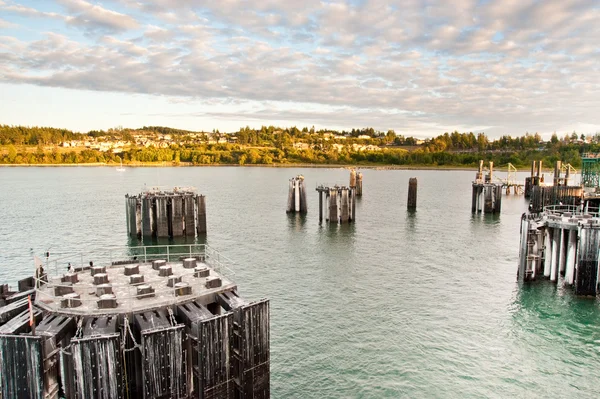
x,y
273,145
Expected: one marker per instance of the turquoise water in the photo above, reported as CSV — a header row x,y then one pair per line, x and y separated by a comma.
x,y
399,304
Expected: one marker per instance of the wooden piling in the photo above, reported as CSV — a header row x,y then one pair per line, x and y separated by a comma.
x,y
344,206
201,207
557,179
586,277
147,217
412,194
162,216
333,206
166,214
320,207
189,215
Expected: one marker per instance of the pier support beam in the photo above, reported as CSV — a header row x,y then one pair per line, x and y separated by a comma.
x,y
587,265
555,254
571,256
320,207
201,208
547,251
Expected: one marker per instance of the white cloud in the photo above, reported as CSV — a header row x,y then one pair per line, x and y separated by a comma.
x,y
93,17
524,65
4,24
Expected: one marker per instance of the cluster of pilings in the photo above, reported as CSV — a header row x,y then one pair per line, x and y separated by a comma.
x,y
356,182
487,196
176,213
168,327
561,244
535,179
297,196
339,205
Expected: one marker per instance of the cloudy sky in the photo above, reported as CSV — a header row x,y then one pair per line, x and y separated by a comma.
x,y
420,67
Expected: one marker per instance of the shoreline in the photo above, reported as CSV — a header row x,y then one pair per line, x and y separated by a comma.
x,y
292,165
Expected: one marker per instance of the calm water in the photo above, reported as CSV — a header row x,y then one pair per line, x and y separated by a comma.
x,y
396,305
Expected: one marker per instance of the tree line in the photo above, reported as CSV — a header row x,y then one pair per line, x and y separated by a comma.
x,y
272,145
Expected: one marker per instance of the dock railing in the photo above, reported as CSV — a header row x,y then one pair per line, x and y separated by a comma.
x,y
572,209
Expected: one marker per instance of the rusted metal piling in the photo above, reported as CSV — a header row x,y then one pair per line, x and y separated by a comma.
x,y
339,205
181,334
356,182
561,244
487,196
411,204
155,213
297,196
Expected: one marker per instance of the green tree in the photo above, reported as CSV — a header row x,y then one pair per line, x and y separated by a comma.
x,y
12,153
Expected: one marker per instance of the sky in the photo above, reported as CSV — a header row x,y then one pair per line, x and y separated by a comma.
x,y
420,67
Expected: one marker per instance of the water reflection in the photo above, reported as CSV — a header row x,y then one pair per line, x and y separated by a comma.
x,y
485,218
296,221
546,308
410,220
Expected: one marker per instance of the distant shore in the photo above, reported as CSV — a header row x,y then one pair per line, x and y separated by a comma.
x,y
289,165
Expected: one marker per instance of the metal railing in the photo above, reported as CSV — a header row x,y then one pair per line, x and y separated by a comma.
x,y
59,264
572,209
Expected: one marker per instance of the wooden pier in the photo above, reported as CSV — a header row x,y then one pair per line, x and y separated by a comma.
x,y
487,196
156,213
297,196
168,324
561,244
339,205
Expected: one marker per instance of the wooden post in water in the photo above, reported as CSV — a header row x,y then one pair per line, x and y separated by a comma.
x,y
359,184
320,207
201,207
571,255
297,196
344,205
557,173
353,191
586,277
147,219
333,207
412,194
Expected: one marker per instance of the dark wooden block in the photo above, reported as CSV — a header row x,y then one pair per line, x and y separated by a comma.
x,y
182,289
72,300
136,279
201,271
107,301
145,291
103,289
70,278
173,280
64,288
213,282
156,264
98,269
165,271
131,270
189,263
100,278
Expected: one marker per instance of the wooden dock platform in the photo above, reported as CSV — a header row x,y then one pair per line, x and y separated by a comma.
x,y
158,322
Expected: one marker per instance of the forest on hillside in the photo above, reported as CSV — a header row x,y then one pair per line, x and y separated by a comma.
x,y
273,145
